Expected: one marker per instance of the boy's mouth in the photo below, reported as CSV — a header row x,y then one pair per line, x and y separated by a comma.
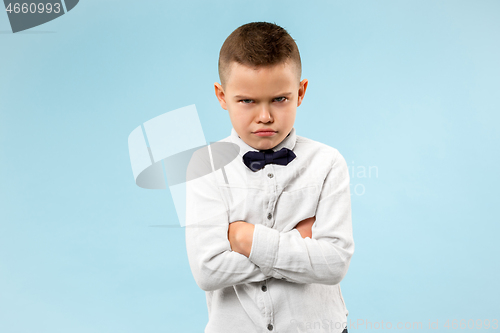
x,y
264,132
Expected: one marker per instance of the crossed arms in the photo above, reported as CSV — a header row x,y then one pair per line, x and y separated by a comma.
x,y
222,253
240,234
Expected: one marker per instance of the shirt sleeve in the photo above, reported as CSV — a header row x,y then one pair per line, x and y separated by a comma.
x,y
325,257
213,264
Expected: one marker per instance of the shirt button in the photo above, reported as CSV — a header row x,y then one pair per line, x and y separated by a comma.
x,y
270,175
269,216
270,327
264,288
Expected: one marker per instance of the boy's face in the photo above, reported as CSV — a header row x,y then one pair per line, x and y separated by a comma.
x,y
262,98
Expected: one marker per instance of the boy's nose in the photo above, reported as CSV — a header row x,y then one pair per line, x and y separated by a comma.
x,y
265,114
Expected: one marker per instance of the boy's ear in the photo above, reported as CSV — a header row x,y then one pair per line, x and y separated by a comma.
x,y
302,91
219,93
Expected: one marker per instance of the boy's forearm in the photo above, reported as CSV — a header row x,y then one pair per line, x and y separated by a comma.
x,y
323,259
212,262
240,234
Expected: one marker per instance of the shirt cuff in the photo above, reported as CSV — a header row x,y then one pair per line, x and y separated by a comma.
x,y
264,248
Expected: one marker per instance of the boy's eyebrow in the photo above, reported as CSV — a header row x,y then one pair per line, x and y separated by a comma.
x,y
283,94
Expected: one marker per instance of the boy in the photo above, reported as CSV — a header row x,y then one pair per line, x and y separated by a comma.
x,y
269,234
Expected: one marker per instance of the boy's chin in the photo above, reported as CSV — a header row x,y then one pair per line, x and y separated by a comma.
x,y
264,146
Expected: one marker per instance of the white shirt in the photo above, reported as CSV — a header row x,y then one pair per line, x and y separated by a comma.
x,y
288,283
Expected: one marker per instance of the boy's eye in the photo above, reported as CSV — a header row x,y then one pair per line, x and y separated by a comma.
x,y
277,99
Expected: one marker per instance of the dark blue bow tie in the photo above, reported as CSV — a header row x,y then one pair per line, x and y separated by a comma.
x,y
256,160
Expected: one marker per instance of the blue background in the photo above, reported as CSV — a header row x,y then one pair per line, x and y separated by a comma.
x,y
409,88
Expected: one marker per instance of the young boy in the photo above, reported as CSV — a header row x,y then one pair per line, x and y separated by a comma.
x,y
268,234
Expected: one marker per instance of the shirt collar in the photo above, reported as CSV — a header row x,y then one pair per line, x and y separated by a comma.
x,y
288,142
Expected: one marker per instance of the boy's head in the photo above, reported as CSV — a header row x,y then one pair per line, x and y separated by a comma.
x,y
260,70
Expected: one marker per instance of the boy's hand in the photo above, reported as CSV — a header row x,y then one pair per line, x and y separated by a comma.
x,y
240,236
305,227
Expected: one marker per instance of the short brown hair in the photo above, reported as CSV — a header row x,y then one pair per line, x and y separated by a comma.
x,y
258,44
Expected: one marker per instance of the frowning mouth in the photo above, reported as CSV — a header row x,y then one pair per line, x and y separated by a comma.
x,y
264,132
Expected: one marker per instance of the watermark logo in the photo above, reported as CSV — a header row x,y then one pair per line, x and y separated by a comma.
x,y
332,326
359,173
25,15
171,149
